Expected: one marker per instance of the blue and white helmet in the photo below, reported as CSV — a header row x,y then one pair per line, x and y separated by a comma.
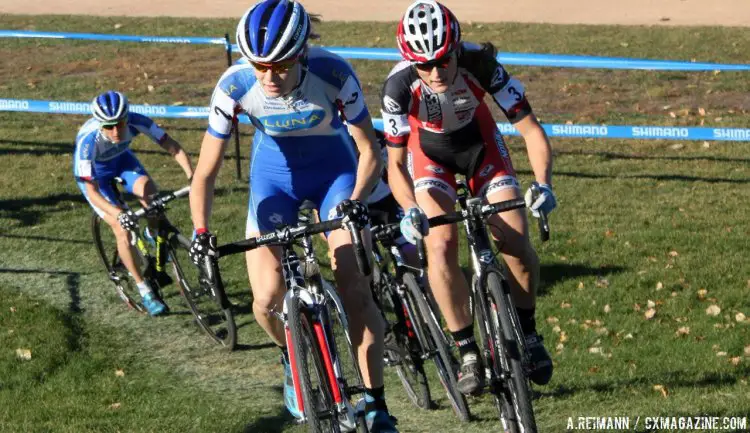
x,y
110,107
273,30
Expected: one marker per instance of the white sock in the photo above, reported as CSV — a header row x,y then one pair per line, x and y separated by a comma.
x,y
144,288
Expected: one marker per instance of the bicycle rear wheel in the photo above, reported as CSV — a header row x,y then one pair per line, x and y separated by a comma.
x,y
106,247
512,395
402,350
310,371
436,344
212,311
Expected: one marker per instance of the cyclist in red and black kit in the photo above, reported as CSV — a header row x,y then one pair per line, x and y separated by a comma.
x,y
438,125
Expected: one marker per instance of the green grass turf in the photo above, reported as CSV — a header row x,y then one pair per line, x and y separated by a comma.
x,y
633,216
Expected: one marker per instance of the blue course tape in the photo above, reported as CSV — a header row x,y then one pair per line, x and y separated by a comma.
x,y
553,130
391,54
104,37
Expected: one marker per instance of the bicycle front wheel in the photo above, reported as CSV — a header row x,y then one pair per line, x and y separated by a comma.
x,y
436,344
512,395
402,349
106,247
309,369
212,311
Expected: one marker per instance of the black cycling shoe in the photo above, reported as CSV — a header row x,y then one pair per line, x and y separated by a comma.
x,y
471,375
541,363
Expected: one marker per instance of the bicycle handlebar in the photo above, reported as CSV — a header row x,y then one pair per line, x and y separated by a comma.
x,y
286,235
162,200
485,211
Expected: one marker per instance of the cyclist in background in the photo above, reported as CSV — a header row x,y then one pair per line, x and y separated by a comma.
x,y
102,152
433,105
298,99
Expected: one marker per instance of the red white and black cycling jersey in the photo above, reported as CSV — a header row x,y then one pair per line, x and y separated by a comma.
x,y
454,132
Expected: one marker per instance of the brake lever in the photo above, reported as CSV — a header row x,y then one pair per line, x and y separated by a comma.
x,y
542,221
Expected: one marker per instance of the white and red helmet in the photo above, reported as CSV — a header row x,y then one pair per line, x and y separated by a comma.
x,y
428,31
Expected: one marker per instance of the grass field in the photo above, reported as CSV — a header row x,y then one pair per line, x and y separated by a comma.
x,y
641,225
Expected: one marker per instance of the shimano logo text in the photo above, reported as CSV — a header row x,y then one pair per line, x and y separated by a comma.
x,y
660,132
580,130
149,109
70,107
13,104
732,134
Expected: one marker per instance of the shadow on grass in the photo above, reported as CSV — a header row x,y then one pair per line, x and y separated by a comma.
x,y
22,210
669,379
660,177
272,423
46,239
554,273
638,157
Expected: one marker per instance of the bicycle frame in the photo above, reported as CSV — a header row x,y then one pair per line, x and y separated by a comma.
x,y
313,292
483,262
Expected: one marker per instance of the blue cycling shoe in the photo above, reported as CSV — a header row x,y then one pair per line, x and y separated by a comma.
x,y
153,305
378,421
290,396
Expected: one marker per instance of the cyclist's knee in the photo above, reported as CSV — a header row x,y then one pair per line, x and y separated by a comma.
x,y
442,246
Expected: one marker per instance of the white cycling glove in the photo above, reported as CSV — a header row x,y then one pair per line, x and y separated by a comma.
x,y
545,202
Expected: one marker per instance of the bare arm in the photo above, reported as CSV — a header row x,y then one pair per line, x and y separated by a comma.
x,y
204,179
538,148
173,147
98,200
370,164
399,178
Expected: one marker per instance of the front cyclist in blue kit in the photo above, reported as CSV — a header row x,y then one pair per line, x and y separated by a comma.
x,y
298,99
102,153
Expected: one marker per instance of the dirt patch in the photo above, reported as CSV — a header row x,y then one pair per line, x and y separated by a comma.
x,y
633,12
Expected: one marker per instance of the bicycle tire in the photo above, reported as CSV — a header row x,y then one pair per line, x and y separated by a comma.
x,y
445,362
304,343
514,393
125,287
399,347
215,319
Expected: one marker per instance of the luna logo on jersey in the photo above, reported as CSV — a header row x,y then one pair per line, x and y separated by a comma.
x,y
293,121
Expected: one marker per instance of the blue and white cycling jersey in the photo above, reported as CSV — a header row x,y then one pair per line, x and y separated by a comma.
x,y
301,148
95,153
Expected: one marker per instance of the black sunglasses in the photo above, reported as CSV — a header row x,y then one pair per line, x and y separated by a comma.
x,y
441,63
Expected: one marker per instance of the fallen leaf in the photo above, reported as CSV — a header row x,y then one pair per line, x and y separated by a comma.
x,y
673,253
12,309
563,337
682,330
747,351
702,294
150,88
637,307
677,146
649,314
602,331
119,373
607,309
740,317
595,350
556,329
624,44
565,305
602,282
23,354
702,111
672,115
735,360
706,145
559,347
117,26
662,389
713,310
580,285
721,353
659,285
609,233
673,294
115,405
628,336
650,304
552,319
572,321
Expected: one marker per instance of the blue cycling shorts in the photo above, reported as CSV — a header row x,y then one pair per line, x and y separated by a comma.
x,y
284,172
125,166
